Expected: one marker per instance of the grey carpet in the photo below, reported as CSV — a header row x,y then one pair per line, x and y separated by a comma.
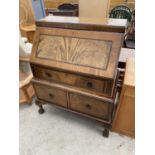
x,y
58,132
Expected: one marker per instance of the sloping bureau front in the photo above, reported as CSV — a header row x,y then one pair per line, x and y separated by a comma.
x,y
74,63
93,53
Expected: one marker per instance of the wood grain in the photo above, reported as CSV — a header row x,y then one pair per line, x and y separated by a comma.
x,y
28,31
84,23
104,86
51,94
76,51
89,106
129,79
74,62
109,72
124,120
26,14
26,91
74,90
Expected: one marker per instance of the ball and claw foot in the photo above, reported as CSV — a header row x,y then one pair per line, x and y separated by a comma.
x,y
41,111
106,132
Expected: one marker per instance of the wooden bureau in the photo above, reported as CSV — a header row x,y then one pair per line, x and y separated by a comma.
x,y
74,63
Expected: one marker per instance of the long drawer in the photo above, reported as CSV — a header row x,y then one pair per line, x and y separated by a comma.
x,y
90,106
51,94
104,86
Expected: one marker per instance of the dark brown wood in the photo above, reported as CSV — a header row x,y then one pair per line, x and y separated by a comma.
x,y
99,85
39,104
90,106
106,132
99,96
57,12
75,65
102,122
51,94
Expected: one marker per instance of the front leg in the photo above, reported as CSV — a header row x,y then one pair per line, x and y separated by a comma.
x,y
41,110
106,132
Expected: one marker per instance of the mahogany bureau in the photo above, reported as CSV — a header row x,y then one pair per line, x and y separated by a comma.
x,y
74,63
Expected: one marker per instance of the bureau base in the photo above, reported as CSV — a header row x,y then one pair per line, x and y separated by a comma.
x,y
106,125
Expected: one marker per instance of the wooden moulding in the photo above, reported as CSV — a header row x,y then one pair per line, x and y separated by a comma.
x,y
80,23
76,90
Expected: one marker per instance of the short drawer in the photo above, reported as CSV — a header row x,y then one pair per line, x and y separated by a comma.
x,y
104,86
51,94
90,106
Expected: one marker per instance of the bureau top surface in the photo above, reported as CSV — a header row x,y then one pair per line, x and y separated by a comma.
x,y
81,23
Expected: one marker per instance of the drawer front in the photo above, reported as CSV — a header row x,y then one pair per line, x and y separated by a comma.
x,y
90,106
51,94
103,86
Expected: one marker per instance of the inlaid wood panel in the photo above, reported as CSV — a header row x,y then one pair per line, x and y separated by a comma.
x,y
90,106
104,86
77,51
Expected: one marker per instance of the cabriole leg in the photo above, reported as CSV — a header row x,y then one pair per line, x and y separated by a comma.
x,y
106,132
41,109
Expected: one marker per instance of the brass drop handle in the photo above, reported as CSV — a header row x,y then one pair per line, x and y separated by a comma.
x,y
48,74
89,84
88,106
51,95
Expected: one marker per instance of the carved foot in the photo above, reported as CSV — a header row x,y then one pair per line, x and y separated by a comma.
x,y
106,132
41,110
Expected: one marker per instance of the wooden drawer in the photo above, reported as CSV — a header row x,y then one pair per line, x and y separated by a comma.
x,y
104,86
90,106
51,94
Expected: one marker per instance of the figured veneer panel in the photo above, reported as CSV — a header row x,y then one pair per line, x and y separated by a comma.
x,y
77,51
91,53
